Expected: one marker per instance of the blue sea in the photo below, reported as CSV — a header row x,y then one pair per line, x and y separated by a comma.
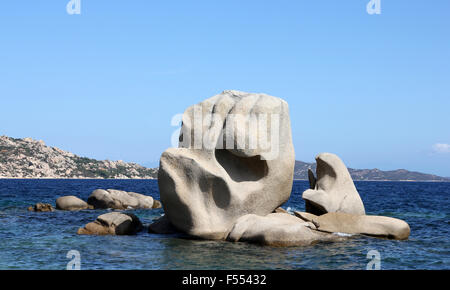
x,y
31,240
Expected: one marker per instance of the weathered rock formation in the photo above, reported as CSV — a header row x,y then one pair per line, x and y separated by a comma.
x,y
235,158
71,203
41,207
113,223
375,226
333,190
277,229
118,199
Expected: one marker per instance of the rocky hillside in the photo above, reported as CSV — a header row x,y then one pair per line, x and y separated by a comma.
x,y
301,173
28,158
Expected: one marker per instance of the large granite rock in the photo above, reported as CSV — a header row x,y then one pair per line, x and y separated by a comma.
x,y
333,190
117,199
207,183
41,207
375,226
113,223
277,229
71,203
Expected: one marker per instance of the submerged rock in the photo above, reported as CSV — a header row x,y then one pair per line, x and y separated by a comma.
x,y
71,203
162,226
333,190
277,229
375,226
118,199
41,207
113,223
205,188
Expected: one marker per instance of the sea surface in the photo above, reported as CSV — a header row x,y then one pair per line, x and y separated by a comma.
x,y
31,240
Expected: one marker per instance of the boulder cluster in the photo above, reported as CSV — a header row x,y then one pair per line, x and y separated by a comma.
x,y
113,223
229,177
235,192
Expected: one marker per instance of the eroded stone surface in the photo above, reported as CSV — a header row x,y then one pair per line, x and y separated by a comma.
x,y
205,190
333,190
277,229
376,226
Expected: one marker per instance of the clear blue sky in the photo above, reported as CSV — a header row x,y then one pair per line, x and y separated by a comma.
x,y
374,89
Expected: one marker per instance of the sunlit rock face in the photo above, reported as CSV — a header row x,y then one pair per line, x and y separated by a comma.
x,y
235,158
333,190
71,203
375,226
118,199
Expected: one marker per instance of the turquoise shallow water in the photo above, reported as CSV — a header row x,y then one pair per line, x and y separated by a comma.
x,y
41,240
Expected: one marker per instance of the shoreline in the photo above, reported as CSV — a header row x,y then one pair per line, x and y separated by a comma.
x,y
91,178
71,178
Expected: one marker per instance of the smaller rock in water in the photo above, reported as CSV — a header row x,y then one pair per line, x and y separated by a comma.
x,y
156,204
71,203
41,207
118,199
375,226
113,223
162,226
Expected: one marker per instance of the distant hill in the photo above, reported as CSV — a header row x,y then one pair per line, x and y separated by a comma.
x,y
301,173
28,158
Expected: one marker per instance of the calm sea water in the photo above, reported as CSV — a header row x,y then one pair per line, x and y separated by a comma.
x,y
41,240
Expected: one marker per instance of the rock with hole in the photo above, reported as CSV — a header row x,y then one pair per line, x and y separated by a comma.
x,y
235,158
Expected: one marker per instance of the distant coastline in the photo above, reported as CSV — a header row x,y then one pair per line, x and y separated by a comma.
x,y
89,178
428,181
31,159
